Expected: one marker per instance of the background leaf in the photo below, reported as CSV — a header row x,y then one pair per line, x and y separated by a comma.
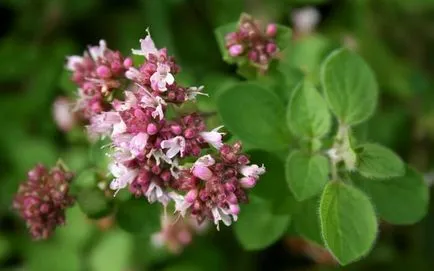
x,y
255,115
399,200
258,227
306,175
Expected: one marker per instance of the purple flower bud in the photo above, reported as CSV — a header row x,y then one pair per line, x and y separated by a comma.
x,y
128,62
191,196
151,129
271,48
189,133
271,30
234,209
253,56
202,172
103,72
236,50
166,176
247,182
176,129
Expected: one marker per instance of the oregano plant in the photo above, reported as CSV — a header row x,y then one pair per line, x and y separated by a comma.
x,y
270,151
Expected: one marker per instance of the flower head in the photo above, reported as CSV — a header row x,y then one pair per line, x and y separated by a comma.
x,y
42,199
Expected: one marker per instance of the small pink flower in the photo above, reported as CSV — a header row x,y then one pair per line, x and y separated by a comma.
x,y
133,74
73,62
138,144
98,51
221,214
214,138
128,62
106,123
271,30
162,77
174,145
63,114
123,176
236,50
205,160
181,204
252,171
149,100
192,92
155,193
103,71
248,182
147,46
202,172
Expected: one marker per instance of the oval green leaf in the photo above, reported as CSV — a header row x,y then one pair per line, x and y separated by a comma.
x,y
376,161
306,221
307,114
349,86
258,227
306,174
255,115
348,222
94,203
401,200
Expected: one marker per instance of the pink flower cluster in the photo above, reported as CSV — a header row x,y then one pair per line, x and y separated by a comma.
x,y
148,149
251,40
97,73
41,200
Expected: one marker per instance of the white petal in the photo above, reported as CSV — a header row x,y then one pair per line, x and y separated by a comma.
x,y
170,79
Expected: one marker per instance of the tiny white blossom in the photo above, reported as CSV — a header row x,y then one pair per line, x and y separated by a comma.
x,y
155,193
214,138
98,51
174,145
252,171
162,77
73,61
123,176
147,46
192,92
220,214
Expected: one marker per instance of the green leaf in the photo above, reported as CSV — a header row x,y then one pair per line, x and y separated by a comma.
x,y
307,223
307,114
255,115
348,222
94,203
349,86
138,216
112,253
220,33
258,227
86,179
306,174
45,256
376,161
283,36
400,200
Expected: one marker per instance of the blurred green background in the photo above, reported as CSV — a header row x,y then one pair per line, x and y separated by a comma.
x,y
394,36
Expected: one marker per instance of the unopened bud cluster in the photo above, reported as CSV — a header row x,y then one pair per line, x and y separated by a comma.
x,y
253,41
42,199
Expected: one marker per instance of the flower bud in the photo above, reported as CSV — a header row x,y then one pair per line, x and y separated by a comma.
x,y
236,50
271,30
